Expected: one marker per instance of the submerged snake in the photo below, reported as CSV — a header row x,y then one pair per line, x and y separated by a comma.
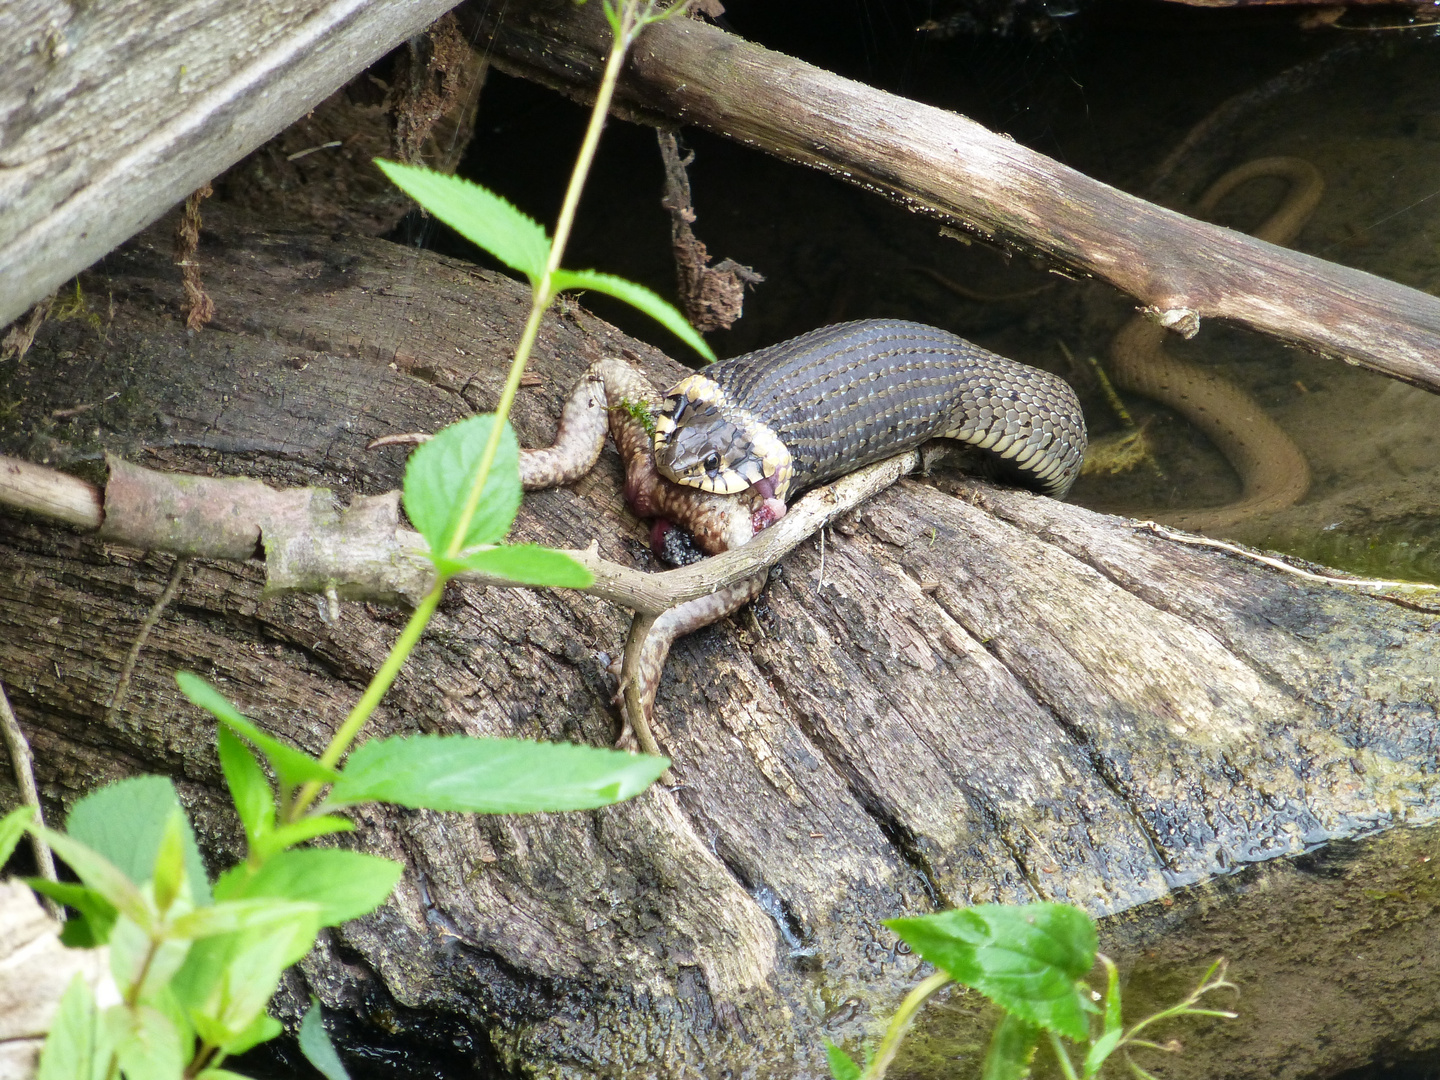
x,y
730,445
1273,472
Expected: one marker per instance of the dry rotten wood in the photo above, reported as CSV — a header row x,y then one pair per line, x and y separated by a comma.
x,y
986,695
938,162
112,113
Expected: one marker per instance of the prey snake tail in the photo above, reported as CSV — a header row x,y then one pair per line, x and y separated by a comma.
x,y
733,443
1273,471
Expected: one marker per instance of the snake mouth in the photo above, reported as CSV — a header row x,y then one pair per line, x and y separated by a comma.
x,y
704,440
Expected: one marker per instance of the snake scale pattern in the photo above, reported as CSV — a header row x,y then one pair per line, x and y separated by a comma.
x,y
793,415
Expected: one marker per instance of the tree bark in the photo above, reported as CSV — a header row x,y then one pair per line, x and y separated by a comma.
x,y
964,694
938,162
112,113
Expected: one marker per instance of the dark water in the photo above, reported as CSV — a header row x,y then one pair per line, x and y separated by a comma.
x,y
1112,89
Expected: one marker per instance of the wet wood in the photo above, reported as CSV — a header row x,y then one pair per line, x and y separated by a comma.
x,y
112,113
968,694
940,163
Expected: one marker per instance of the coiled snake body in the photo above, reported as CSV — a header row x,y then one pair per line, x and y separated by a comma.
x,y
732,443
796,414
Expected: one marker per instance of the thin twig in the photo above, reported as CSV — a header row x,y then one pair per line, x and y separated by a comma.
x,y
1278,564
122,685
23,763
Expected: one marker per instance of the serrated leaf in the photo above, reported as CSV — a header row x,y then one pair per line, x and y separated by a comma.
x,y
637,296
530,564
250,790
1011,1050
1027,958
492,776
292,765
476,213
125,823
842,1065
297,832
315,1044
77,1047
440,474
346,884
12,827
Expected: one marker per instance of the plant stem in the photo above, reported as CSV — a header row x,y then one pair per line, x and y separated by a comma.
x,y
900,1023
542,293
382,681
1062,1057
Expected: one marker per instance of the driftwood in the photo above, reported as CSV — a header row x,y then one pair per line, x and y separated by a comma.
x,y
965,694
112,113
938,162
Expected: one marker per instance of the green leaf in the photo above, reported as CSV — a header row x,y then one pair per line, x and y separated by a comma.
x,y
77,1047
96,914
169,876
492,776
142,966
262,1029
12,827
249,789
125,823
636,296
842,1065
479,215
439,476
291,765
1114,1029
1027,958
530,564
1011,1050
237,916
146,1043
297,832
101,875
228,980
315,1044
227,1074
346,884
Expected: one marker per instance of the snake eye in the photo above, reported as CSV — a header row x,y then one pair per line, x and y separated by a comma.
x,y
711,463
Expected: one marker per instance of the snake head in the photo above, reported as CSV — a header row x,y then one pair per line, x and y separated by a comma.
x,y
702,441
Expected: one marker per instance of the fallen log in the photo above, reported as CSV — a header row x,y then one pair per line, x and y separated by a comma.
x,y
937,162
965,694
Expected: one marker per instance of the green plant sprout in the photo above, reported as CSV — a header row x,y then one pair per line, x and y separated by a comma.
x,y
1031,960
197,963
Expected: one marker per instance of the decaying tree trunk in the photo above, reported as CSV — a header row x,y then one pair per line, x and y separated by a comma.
x,y
964,694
